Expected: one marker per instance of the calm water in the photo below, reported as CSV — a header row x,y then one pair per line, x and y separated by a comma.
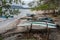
x,y
25,11
4,24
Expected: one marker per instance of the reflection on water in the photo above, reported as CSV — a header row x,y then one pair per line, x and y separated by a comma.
x,y
25,11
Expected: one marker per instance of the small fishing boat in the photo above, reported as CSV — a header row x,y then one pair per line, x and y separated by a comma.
x,y
38,24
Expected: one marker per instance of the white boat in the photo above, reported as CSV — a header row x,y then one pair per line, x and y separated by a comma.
x,y
37,25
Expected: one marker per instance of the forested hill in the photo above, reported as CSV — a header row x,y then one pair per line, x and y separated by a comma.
x,y
18,7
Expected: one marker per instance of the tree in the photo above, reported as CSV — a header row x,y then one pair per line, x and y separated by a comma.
x,y
23,3
30,4
6,6
0,11
14,11
47,5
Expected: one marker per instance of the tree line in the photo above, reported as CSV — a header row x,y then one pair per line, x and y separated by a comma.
x,y
46,5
